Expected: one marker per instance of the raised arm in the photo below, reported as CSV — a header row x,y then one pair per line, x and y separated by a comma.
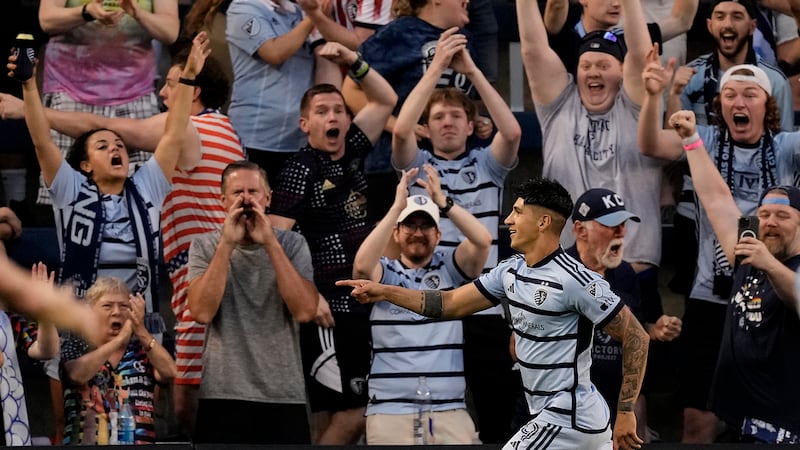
x,y
472,252
367,263
505,144
639,44
163,364
327,27
56,18
677,100
654,140
625,328
47,342
380,96
278,49
298,293
162,24
204,294
47,152
680,19
143,134
713,191
453,304
404,139
555,15
169,147
547,75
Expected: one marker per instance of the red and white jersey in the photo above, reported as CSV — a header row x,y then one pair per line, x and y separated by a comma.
x,y
350,14
194,206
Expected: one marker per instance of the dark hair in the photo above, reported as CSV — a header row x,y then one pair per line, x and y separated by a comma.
x,y
242,165
546,193
450,96
79,150
748,5
772,116
202,13
317,89
213,82
408,7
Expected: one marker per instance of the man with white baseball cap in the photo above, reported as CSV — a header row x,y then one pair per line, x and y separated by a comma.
x,y
751,154
430,348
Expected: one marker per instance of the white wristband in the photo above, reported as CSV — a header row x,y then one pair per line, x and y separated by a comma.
x,y
691,139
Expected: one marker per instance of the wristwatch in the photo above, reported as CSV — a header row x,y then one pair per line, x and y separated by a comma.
x,y
448,204
85,14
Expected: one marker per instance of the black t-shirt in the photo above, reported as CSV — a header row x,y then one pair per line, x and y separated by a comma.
x,y
759,361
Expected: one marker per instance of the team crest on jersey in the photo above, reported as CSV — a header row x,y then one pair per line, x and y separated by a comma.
x,y
351,9
469,176
251,27
539,297
601,292
356,206
432,280
528,431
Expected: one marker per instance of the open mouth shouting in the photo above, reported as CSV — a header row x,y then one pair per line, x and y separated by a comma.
x,y
740,119
728,37
116,160
332,133
596,86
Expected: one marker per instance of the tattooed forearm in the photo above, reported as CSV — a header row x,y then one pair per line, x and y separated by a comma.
x,y
635,342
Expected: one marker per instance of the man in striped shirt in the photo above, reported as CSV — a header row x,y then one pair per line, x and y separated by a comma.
x,y
554,304
406,345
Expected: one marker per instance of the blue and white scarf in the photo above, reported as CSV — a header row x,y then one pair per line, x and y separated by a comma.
x,y
81,234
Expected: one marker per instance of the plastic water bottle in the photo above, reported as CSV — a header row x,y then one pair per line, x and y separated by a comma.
x,y
127,425
423,422
113,420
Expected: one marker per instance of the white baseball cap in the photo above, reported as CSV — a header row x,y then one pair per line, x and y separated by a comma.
x,y
421,203
758,76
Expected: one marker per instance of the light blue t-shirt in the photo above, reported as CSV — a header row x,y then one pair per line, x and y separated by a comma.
x,y
265,103
748,187
117,248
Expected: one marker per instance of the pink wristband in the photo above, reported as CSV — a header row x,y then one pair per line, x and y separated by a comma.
x,y
693,145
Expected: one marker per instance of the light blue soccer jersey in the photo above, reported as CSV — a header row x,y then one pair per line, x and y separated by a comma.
x,y
554,307
407,345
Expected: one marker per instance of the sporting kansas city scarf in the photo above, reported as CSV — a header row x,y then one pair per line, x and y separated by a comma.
x,y
81,234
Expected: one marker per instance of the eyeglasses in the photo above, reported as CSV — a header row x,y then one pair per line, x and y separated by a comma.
x,y
411,228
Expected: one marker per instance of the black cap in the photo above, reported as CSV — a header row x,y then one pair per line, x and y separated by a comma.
x,y
749,5
602,41
792,192
602,205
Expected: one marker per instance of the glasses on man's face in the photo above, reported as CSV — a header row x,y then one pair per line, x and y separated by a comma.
x,y
412,228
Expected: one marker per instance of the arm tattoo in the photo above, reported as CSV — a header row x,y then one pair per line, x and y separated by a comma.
x,y
625,328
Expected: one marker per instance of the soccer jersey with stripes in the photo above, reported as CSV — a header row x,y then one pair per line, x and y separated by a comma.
x,y
406,345
554,306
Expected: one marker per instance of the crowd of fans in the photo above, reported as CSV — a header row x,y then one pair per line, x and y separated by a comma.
x,y
312,152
